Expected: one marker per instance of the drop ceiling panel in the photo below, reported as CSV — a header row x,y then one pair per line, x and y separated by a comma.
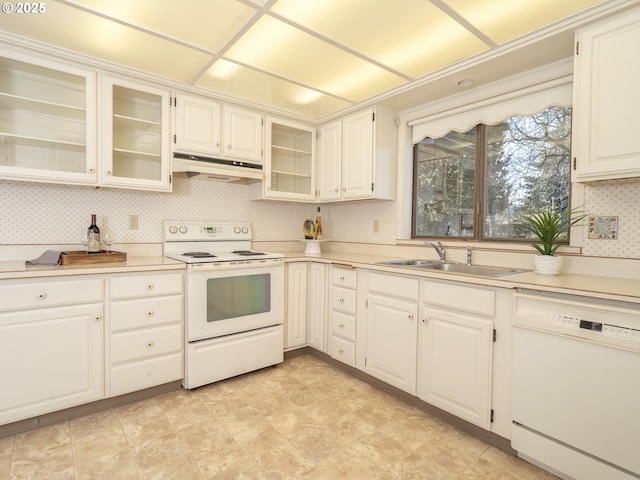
x,y
238,81
504,20
204,23
273,46
92,35
413,37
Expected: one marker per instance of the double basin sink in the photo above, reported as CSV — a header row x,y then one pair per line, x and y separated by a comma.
x,y
454,267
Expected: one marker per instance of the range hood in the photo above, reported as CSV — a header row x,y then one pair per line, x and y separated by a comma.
x,y
217,169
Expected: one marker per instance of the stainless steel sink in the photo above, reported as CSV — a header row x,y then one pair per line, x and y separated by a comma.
x,y
454,267
409,263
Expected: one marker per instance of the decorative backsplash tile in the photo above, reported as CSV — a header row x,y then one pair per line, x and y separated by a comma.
x,y
38,213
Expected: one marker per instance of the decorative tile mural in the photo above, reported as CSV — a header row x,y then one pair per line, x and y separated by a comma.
x,y
604,201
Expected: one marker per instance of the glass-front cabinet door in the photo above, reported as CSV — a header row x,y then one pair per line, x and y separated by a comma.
x,y
136,136
47,122
290,160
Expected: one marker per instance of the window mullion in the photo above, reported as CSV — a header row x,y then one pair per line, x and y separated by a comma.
x,y
480,184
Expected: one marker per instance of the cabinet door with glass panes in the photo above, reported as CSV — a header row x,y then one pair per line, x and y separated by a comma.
x,y
47,121
136,136
290,160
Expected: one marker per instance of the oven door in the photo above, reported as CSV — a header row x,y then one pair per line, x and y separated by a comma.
x,y
225,301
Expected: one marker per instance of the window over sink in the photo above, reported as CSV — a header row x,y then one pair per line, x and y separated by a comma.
x,y
474,184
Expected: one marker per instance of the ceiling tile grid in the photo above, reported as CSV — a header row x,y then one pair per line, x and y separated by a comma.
x,y
308,58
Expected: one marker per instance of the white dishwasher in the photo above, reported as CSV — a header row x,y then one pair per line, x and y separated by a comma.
x,y
576,385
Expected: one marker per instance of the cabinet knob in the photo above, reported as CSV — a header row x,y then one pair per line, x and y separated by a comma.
x,y
150,344
228,147
342,278
91,170
150,286
150,314
108,172
341,325
424,320
98,318
411,316
336,190
340,351
344,189
341,300
42,296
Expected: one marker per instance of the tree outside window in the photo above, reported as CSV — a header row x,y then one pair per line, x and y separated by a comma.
x,y
494,173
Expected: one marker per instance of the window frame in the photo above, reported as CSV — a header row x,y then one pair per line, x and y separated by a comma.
x,y
480,187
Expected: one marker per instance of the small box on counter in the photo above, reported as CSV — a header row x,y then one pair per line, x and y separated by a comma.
x,y
79,257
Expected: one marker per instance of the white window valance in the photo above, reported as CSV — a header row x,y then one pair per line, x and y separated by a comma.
x,y
493,110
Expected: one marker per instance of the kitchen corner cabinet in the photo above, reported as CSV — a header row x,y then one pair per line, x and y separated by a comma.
x,y
296,303
47,122
368,156
392,329
306,305
456,349
51,337
145,346
606,101
136,136
290,161
197,125
317,306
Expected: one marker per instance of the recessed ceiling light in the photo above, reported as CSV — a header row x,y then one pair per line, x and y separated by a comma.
x,y
467,82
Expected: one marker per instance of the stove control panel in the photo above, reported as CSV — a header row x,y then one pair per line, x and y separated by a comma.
x,y
199,231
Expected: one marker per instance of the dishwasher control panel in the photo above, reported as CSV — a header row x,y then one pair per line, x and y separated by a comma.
x,y
609,330
609,323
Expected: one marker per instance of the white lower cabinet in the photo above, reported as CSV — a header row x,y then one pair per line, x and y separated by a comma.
x,y
296,316
51,338
306,305
391,328
456,349
146,341
342,313
317,306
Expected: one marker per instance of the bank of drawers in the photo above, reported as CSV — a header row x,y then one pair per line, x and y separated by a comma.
x,y
343,314
147,331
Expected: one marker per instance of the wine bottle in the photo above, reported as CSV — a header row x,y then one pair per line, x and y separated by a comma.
x,y
318,225
94,236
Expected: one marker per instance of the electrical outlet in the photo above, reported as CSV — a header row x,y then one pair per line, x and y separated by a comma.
x,y
376,226
133,222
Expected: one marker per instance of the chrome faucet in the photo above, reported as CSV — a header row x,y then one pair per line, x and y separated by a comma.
x,y
439,248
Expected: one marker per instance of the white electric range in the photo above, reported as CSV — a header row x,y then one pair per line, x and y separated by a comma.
x,y
234,300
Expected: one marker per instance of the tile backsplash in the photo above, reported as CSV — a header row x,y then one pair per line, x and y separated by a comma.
x,y
38,213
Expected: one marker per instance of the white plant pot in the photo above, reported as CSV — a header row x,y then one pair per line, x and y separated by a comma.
x,y
547,264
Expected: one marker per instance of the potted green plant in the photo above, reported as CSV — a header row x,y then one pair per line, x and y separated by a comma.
x,y
548,226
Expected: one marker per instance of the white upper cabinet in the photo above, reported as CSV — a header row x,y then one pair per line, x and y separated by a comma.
x,y
242,134
365,166
47,122
606,101
197,125
290,161
135,134
329,177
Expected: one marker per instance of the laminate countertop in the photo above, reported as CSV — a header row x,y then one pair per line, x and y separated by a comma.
x,y
18,269
594,286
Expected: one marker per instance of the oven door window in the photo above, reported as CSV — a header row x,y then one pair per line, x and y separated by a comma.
x,y
232,297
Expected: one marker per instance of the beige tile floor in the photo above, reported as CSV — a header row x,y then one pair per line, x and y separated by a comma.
x,y
302,420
